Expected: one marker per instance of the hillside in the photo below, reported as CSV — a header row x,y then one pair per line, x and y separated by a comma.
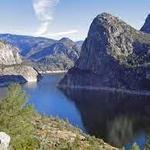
x,y
29,130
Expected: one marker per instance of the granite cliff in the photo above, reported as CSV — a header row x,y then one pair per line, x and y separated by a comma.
x,y
12,67
146,26
114,55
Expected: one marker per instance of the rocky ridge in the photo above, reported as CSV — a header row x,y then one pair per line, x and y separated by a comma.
x,y
60,56
27,45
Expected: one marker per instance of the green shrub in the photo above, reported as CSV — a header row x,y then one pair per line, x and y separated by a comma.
x,y
15,119
135,147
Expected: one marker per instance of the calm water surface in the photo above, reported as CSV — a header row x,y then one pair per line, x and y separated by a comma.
x,y
119,119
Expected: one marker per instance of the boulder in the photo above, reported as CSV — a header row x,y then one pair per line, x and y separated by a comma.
x,y
4,141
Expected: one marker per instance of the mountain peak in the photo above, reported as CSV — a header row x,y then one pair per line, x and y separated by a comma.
x,y
106,17
146,26
67,42
65,39
106,23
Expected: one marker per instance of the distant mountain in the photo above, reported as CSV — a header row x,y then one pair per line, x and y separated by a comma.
x,y
60,56
63,46
12,67
28,45
114,55
146,26
46,53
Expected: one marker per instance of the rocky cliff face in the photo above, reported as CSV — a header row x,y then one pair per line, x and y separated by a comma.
x,y
146,26
113,55
12,68
9,55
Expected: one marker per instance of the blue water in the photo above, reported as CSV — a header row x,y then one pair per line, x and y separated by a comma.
x,y
50,101
119,119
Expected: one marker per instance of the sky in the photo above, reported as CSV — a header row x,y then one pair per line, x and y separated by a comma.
x,y
66,18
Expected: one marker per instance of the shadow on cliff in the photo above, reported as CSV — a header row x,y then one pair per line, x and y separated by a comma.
x,y
115,117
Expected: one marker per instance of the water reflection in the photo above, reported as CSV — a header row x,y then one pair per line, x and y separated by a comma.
x,y
3,92
48,100
118,118
31,85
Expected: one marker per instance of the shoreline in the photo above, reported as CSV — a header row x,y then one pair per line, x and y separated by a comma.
x,y
53,72
123,91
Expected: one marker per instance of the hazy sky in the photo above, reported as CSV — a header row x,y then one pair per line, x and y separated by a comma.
x,y
65,18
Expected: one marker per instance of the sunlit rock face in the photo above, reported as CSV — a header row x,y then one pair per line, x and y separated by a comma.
x,y
12,67
114,55
27,72
9,55
146,26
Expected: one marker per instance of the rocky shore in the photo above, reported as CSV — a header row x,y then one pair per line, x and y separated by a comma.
x,y
53,72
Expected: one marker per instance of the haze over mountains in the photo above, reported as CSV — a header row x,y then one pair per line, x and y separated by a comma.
x,y
114,55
